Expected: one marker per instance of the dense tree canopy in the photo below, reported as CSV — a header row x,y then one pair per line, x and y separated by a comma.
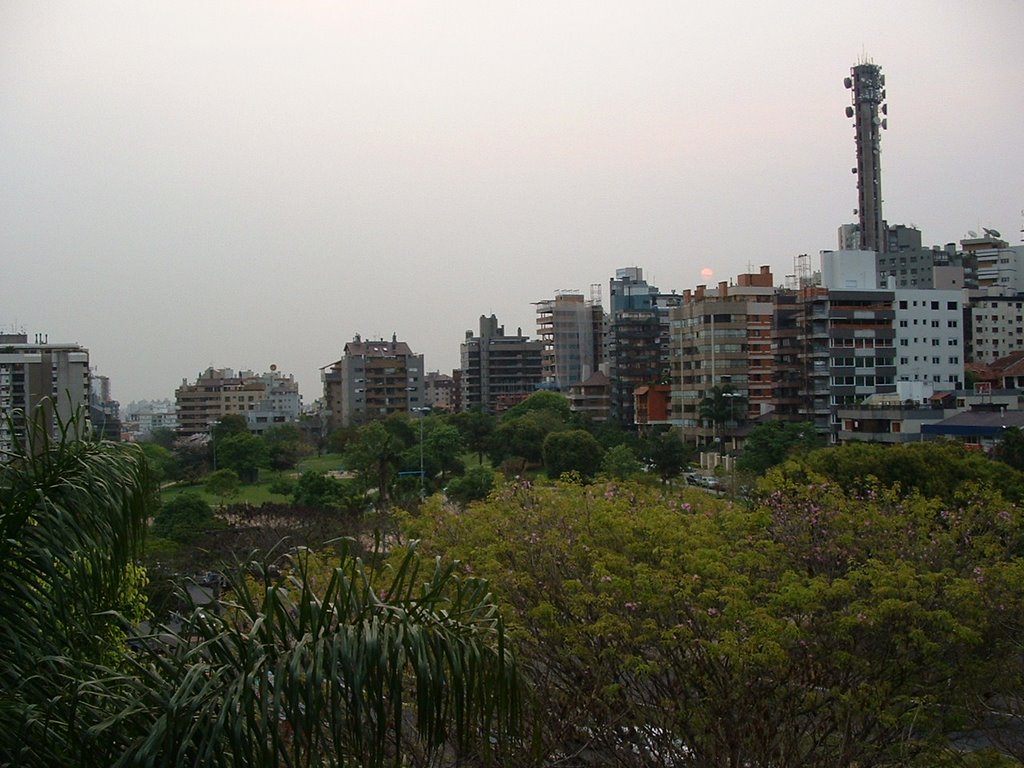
x,y
572,450
243,452
184,517
935,469
665,454
816,628
286,446
770,443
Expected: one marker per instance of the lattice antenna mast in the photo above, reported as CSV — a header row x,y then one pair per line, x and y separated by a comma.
x,y
867,84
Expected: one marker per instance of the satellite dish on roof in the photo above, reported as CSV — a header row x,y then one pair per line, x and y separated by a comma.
x,y
972,233
991,232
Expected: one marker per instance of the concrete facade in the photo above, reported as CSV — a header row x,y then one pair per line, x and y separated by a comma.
x,y
930,337
39,375
498,371
372,380
571,329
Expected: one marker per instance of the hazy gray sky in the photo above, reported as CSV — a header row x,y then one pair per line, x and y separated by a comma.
x,y
185,184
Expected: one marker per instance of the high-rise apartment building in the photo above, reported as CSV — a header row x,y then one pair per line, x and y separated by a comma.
x,y
40,380
722,337
499,371
637,339
929,337
996,325
571,329
373,380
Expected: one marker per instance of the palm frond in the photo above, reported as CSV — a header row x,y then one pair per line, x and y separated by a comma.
x,y
286,675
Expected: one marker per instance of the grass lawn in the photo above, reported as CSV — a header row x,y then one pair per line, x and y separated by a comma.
x,y
256,494
326,463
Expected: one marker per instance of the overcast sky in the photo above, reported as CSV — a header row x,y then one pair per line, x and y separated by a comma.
x,y
240,184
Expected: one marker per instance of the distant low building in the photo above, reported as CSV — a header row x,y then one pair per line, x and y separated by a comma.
x,y
440,391
262,400
593,397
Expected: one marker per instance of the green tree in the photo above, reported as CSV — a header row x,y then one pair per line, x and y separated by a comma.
x,y
286,446
223,483
541,400
771,443
474,485
316,489
666,454
162,436
1011,447
245,453
443,447
574,450
184,517
161,462
376,456
815,629
935,469
229,424
476,428
341,438
723,405
620,463
524,435
72,518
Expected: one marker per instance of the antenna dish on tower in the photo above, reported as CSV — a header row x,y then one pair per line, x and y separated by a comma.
x,y
991,232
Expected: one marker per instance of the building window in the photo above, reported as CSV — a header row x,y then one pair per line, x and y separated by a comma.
x,y
903,305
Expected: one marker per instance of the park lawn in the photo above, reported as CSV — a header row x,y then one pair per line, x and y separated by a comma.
x,y
256,494
329,462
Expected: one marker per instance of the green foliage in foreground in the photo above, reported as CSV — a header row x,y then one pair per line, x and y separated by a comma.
x,y
940,469
184,517
815,628
342,664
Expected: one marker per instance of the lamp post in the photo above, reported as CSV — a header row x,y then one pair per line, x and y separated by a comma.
x,y
213,441
422,412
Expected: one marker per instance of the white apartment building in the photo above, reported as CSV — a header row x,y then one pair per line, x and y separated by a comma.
x,y
997,325
929,337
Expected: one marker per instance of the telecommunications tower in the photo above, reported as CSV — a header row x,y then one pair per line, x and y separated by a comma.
x,y
867,84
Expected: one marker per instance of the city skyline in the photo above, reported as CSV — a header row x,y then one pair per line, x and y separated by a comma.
x,y
254,184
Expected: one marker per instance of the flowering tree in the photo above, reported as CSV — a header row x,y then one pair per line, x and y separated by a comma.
x,y
817,628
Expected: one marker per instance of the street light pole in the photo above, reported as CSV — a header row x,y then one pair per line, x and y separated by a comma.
x,y
213,440
422,413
